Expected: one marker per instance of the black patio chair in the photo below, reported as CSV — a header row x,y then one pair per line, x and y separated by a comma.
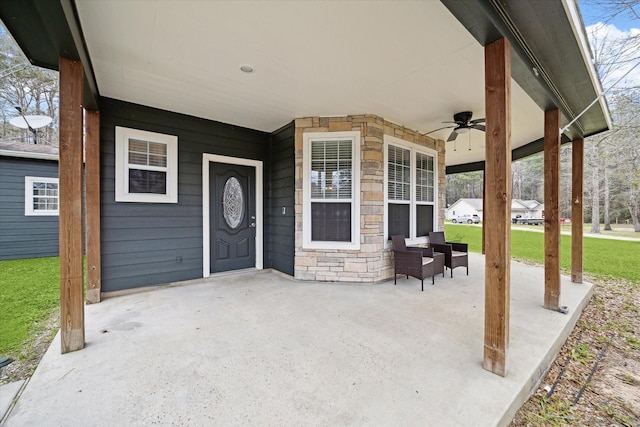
x,y
455,254
412,261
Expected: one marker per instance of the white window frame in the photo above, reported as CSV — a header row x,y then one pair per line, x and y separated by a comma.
x,y
123,135
414,149
28,196
308,138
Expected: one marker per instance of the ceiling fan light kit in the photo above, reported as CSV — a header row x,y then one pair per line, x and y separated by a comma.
x,y
462,123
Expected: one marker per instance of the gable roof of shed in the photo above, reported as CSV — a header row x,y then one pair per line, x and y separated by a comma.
x,y
31,151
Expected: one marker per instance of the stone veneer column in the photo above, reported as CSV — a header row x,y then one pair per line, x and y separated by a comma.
x,y
372,262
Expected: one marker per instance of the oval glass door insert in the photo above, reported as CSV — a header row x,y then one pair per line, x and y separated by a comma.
x,y
233,202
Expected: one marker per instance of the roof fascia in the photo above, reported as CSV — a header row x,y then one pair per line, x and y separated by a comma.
x,y
27,155
91,94
551,85
577,26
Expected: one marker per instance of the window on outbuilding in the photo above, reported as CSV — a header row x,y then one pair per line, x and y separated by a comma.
x,y
146,166
331,190
40,196
410,175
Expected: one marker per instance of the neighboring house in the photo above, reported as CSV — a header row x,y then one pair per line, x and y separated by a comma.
x,y
527,209
293,135
524,208
28,200
462,207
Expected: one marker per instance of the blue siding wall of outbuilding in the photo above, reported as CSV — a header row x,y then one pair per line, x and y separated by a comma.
x,y
141,242
24,236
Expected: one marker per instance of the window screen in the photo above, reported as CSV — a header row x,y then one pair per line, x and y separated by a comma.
x,y
331,222
424,220
398,219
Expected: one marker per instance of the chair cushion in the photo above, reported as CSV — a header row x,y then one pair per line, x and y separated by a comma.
x,y
456,253
426,260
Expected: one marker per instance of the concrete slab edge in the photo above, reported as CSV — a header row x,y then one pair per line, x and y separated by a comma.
x,y
14,400
538,374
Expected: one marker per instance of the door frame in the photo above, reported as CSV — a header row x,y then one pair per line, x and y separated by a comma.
x,y
206,219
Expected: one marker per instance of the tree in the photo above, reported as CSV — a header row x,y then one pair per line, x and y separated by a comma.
x,y
464,185
615,56
626,113
527,178
33,89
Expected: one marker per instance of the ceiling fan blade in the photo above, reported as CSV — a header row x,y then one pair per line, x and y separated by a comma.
x,y
453,136
478,127
473,122
436,130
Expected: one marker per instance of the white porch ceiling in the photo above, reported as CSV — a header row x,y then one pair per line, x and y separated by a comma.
x,y
412,63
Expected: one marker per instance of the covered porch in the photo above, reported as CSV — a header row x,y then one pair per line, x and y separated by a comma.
x,y
263,348
258,65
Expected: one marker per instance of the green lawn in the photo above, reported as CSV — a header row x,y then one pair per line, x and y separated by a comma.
x,y
602,257
29,294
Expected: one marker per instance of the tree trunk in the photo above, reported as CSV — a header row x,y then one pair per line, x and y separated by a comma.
x,y
607,220
595,200
634,208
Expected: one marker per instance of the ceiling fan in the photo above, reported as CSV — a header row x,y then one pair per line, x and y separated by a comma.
x,y
462,124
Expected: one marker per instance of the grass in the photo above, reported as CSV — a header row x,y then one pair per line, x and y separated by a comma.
x,y
603,258
580,353
617,230
550,413
29,294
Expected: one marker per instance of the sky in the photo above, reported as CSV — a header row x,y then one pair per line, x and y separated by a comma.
x,y
599,25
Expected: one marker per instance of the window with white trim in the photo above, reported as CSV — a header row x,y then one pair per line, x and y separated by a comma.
x,y
146,166
40,196
410,175
331,182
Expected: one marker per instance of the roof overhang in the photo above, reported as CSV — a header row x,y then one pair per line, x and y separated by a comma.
x,y
45,31
414,63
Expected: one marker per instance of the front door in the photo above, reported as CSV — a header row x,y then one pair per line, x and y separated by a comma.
x,y
233,216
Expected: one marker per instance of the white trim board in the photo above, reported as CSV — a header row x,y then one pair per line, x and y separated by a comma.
x,y
206,220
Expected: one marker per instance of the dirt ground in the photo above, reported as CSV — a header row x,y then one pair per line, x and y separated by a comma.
x,y
594,381
32,353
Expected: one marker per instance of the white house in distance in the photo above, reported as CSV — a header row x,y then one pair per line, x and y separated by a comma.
x,y
463,207
524,208
527,208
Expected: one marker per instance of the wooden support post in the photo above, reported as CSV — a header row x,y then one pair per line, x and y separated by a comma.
x,y
551,209
577,209
92,202
497,205
70,206
484,195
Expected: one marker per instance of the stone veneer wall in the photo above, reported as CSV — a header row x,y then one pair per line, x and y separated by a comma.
x,y
372,262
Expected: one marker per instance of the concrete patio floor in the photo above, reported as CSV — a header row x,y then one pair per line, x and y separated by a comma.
x,y
259,348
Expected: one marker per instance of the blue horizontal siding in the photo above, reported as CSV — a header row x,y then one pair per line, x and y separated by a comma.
x,y
24,236
141,242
